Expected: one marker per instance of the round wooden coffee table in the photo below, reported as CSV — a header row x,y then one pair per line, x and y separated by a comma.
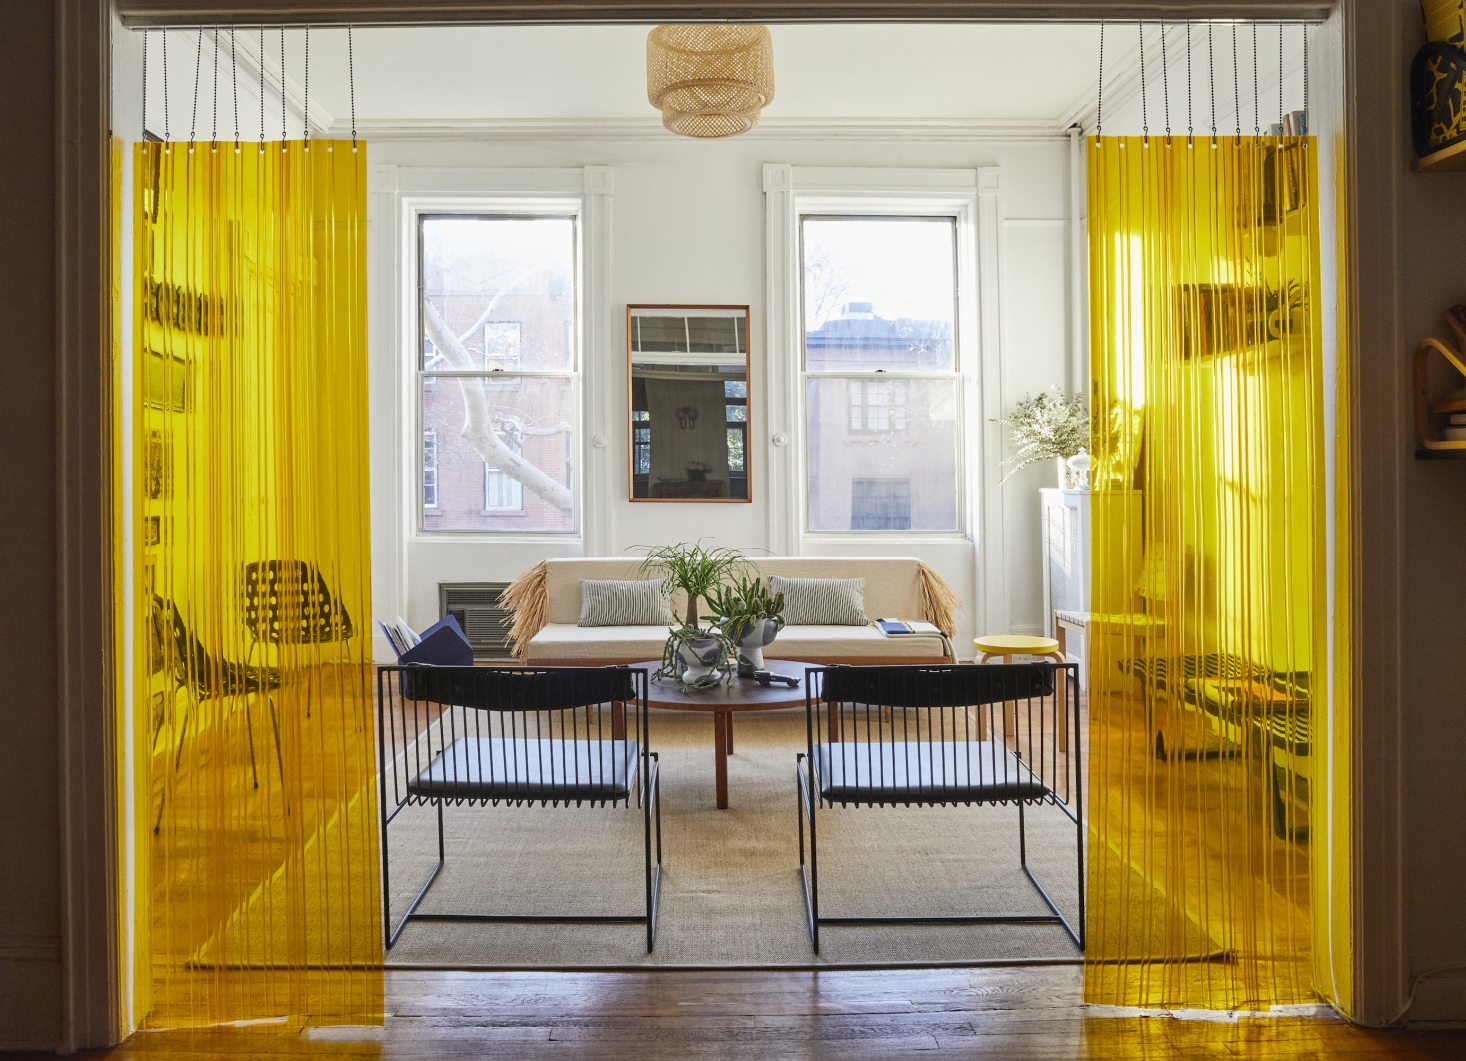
x,y
742,694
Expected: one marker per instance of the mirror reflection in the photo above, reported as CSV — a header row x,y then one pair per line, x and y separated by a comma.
x,y
689,402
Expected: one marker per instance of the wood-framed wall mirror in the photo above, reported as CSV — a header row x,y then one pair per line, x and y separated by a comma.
x,y
688,367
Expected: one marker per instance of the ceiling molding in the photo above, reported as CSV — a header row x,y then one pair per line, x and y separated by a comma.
x,y
604,129
420,12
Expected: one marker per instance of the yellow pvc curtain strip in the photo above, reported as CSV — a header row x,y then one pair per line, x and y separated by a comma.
x,y
257,865
1209,671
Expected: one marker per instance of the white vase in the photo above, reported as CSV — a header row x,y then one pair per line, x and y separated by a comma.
x,y
700,659
759,635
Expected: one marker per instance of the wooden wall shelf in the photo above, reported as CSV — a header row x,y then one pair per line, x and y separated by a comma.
x,y
1447,160
1440,454
1427,433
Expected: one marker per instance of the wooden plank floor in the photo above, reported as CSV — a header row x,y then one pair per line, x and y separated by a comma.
x,y
1014,1014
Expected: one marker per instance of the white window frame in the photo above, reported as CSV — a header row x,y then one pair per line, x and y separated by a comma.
x,y
413,210
407,562
796,192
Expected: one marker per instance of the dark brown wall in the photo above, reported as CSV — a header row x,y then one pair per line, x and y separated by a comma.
x,y
30,909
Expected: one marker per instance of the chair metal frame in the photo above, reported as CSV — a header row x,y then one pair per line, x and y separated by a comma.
x,y
435,711
1030,723
205,677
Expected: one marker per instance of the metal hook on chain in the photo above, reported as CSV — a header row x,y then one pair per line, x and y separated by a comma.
x,y
198,58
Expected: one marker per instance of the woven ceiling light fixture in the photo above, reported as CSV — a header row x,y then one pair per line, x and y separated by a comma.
x,y
710,80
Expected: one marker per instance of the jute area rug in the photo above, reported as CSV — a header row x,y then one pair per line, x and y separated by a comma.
x,y
730,892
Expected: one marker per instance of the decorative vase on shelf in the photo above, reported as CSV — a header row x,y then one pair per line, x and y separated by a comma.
x,y
1077,468
752,642
700,660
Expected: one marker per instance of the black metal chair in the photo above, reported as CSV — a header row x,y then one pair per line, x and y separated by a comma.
x,y
942,744
207,677
491,735
289,602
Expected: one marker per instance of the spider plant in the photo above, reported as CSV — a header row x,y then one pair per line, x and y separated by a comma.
x,y
694,570
673,665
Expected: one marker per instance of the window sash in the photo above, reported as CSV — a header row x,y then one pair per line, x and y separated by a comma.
x,y
863,377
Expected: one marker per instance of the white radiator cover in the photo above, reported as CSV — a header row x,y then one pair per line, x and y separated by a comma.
x,y
1064,526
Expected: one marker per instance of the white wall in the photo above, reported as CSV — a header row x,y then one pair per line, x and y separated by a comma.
x,y
687,224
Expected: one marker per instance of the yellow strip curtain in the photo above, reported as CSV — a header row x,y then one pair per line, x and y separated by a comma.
x,y
1208,682
257,869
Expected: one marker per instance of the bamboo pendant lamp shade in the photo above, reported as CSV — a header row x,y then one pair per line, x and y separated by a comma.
x,y
710,80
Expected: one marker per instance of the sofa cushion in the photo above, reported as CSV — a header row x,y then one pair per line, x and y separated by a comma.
x,y
636,602
823,601
567,641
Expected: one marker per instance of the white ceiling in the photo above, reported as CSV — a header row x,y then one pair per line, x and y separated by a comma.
x,y
1006,73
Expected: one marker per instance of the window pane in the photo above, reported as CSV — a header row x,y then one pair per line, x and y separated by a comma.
x,y
882,454
879,294
504,288
512,470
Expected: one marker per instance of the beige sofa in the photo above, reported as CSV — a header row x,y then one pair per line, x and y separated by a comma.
x,y
546,604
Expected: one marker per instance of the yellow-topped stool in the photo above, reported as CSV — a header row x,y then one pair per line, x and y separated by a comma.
x,y
1010,645
1007,646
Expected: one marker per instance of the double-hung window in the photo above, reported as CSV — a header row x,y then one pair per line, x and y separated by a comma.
x,y
881,381
496,379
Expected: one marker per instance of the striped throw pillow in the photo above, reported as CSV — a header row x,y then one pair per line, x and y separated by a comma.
x,y
642,602
821,601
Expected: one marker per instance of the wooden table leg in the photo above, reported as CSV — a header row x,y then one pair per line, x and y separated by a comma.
x,y
721,720
730,732
618,720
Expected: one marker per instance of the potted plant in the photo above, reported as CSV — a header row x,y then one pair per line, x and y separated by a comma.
x,y
750,617
1048,426
693,569
695,658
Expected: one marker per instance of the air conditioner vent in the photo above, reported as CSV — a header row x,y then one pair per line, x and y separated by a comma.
x,y
476,607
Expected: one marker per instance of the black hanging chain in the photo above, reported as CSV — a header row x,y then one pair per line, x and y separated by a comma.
x,y
167,136
262,88
1236,83
146,34
1304,130
1211,73
1190,131
214,132
306,119
234,73
1165,81
1280,79
198,58
1099,111
284,133
1256,103
1144,115
351,77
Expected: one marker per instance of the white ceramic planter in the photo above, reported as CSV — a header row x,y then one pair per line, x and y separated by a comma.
x,y
759,635
700,659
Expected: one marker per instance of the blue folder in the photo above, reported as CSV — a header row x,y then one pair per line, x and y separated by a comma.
x,y
443,645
